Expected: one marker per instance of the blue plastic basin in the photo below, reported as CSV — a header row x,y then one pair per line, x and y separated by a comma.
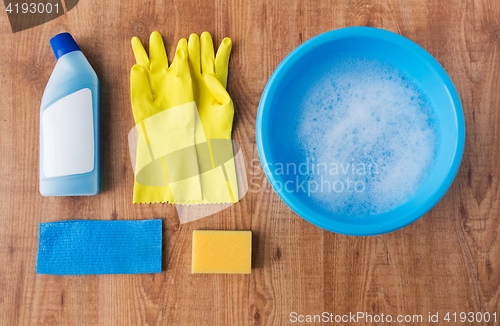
x,y
277,108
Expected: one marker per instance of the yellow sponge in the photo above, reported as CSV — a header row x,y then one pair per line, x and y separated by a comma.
x,y
225,252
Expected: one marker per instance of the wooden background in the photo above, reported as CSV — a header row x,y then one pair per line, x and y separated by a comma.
x,y
449,260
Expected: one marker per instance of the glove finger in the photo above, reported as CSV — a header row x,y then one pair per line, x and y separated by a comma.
x,y
139,83
180,60
207,54
141,57
215,87
222,60
140,93
194,53
157,54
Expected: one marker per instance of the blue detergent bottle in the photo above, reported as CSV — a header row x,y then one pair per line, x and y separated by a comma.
x,y
69,124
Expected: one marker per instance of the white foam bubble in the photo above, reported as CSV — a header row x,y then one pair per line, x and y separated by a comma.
x,y
373,130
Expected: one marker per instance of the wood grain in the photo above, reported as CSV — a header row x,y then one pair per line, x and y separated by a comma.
x,y
449,260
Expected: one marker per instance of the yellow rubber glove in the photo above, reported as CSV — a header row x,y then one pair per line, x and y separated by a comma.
x,y
216,111
163,107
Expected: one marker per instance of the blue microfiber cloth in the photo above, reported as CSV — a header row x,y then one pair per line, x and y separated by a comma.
x,y
82,247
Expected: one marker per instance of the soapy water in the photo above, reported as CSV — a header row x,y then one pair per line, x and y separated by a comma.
x,y
368,137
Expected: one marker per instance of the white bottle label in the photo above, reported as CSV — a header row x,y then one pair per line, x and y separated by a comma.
x,y
68,135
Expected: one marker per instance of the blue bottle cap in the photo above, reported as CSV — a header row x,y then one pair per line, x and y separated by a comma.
x,y
63,43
